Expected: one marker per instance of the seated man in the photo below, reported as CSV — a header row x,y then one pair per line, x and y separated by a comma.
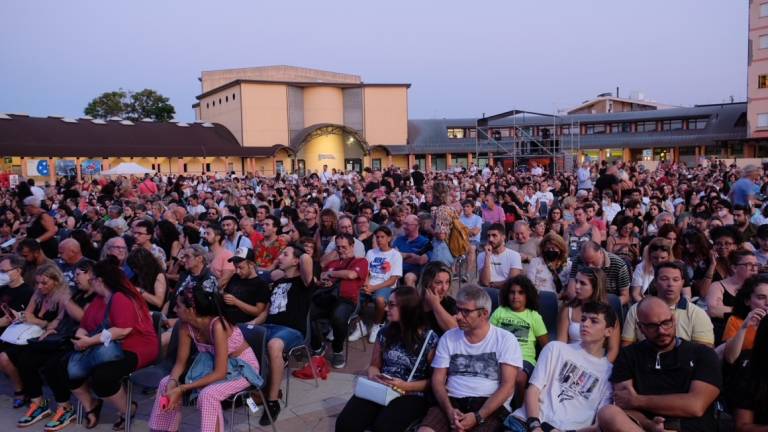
x,y
413,247
475,367
286,322
350,273
692,322
570,382
246,296
664,382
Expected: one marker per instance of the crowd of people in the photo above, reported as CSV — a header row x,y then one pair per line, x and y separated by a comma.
x,y
612,298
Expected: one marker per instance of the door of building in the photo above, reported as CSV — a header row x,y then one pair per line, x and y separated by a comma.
x,y
353,165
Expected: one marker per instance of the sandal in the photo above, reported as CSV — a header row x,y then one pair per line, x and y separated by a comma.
x,y
95,414
120,423
19,399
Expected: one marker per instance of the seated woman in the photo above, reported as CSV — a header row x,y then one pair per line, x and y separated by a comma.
x,y
749,309
517,313
549,271
126,312
49,357
148,277
46,310
218,343
590,287
439,307
394,358
749,416
721,296
657,251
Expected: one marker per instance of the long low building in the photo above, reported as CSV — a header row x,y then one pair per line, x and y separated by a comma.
x,y
289,119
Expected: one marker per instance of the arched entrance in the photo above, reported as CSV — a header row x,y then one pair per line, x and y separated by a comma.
x,y
337,146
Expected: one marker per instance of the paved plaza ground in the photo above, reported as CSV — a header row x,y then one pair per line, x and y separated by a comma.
x,y
309,408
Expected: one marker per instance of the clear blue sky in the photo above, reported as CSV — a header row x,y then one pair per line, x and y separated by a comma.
x,y
463,58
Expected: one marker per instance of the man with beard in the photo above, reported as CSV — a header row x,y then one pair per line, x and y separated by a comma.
x,y
664,382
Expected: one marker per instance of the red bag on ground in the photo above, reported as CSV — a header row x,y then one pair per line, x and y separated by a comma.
x,y
319,363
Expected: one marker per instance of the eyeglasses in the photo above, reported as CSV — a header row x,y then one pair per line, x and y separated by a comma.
x,y
118,248
666,325
465,312
750,266
390,305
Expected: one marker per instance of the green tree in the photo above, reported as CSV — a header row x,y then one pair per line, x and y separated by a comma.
x,y
109,104
130,105
149,104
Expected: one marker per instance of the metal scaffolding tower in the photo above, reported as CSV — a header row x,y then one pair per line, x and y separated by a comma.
x,y
523,145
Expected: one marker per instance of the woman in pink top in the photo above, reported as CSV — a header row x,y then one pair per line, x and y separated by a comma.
x,y
220,265
492,213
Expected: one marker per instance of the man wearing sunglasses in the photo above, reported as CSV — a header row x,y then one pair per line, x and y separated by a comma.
x,y
691,322
664,382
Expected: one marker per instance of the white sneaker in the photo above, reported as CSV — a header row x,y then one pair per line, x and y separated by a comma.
x,y
360,331
329,336
374,332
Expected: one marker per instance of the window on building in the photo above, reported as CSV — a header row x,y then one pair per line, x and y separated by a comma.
x,y
214,103
762,120
764,10
207,105
207,167
472,132
376,164
762,81
455,133
233,96
648,126
593,129
697,123
566,130
185,167
763,42
226,98
671,125
620,128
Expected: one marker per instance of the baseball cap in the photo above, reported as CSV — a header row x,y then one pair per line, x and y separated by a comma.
x,y
242,254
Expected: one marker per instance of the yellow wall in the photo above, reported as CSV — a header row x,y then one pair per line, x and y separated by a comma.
x,y
400,161
386,115
323,105
227,110
327,145
265,114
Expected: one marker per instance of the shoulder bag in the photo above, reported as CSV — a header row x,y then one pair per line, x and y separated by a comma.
x,y
383,394
20,333
82,362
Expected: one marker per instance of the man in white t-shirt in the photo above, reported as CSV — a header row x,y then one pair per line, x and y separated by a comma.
x,y
570,382
474,369
503,264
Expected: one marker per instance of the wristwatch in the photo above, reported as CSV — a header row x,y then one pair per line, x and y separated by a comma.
x,y
533,423
479,418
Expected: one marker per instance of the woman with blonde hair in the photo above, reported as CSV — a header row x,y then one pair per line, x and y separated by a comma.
x,y
591,286
549,271
46,310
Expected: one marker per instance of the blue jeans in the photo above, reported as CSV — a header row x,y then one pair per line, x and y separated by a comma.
x,y
291,337
380,293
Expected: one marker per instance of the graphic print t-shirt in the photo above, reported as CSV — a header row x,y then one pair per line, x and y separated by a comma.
x,y
474,369
383,265
289,303
526,326
574,385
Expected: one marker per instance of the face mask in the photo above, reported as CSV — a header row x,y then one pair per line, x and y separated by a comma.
x,y
4,279
283,221
551,255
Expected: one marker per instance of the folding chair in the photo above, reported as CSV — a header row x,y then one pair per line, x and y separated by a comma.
x,y
256,338
358,321
151,375
548,312
305,349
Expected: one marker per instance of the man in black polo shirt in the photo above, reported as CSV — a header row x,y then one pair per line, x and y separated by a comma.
x,y
664,382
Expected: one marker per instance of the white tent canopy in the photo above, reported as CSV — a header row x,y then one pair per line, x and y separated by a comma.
x,y
128,168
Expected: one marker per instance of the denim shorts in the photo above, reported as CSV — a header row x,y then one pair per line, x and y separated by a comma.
x,y
291,337
380,293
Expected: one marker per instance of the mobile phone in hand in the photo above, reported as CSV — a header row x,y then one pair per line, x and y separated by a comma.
x,y
386,376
